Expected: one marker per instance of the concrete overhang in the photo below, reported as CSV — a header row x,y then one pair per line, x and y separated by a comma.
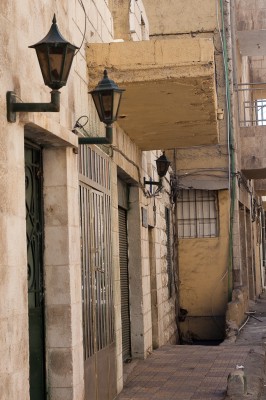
x,y
170,98
260,187
253,157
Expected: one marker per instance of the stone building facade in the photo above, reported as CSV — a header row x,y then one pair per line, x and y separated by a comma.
x,y
219,208
96,265
76,221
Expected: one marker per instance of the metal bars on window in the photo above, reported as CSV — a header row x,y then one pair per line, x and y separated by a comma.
x,y
261,112
95,167
197,214
169,250
95,215
251,103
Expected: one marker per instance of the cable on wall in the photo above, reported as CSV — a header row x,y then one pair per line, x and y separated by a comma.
x,y
85,25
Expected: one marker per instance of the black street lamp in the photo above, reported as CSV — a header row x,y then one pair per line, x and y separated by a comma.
x,y
106,97
162,165
55,56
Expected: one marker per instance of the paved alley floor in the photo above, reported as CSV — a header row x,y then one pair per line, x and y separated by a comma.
x,y
184,372
193,372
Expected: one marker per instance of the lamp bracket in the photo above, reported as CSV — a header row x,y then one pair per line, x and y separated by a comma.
x,y
13,107
108,139
148,182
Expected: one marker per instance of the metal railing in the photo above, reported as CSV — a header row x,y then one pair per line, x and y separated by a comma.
x,y
252,104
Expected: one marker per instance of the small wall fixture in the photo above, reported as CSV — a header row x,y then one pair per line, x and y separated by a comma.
x,y
106,97
55,56
162,165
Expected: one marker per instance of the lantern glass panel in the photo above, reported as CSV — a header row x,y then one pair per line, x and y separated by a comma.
x,y
97,103
42,54
70,52
107,103
56,57
117,96
161,168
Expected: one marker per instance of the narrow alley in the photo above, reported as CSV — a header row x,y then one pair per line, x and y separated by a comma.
x,y
193,372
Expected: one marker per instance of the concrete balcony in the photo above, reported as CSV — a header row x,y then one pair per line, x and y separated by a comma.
x,y
253,156
260,187
170,98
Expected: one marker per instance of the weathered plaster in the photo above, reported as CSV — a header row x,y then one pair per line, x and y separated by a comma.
x,y
203,277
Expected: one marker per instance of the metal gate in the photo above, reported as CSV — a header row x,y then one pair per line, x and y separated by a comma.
x,y
97,295
34,231
124,282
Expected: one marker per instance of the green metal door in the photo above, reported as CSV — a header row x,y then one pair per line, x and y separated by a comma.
x,y
33,185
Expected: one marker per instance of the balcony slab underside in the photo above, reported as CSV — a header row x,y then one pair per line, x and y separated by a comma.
x,y
260,187
170,97
253,157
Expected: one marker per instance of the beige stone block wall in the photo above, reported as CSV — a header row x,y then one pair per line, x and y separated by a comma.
x,y
148,285
64,337
61,214
130,20
19,71
14,355
138,22
251,14
165,303
252,158
180,19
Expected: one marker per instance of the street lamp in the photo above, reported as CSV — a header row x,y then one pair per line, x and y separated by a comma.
x,y
106,97
162,165
55,56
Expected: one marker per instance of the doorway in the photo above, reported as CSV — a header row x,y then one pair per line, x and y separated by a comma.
x,y
34,232
97,287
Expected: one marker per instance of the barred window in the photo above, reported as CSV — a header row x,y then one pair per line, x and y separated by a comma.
x,y
197,214
169,251
261,111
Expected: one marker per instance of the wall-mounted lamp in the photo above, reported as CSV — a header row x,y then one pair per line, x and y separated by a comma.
x,y
106,97
55,56
162,165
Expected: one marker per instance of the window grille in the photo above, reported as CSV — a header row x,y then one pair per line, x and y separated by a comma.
x,y
169,250
261,112
95,221
197,214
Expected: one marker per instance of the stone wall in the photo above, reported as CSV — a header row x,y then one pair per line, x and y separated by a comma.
x,y
22,25
180,19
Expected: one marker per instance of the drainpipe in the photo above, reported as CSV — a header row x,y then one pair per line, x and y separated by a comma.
x,y
263,253
176,261
228,67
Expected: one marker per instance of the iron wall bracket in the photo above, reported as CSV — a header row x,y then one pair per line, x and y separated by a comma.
x,y
13,107
108,139
149,182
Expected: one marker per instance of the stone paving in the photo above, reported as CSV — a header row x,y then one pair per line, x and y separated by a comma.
x,y
200,372
185,373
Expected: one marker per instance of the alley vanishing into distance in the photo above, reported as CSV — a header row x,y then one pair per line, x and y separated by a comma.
x,y
132,199
192,372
